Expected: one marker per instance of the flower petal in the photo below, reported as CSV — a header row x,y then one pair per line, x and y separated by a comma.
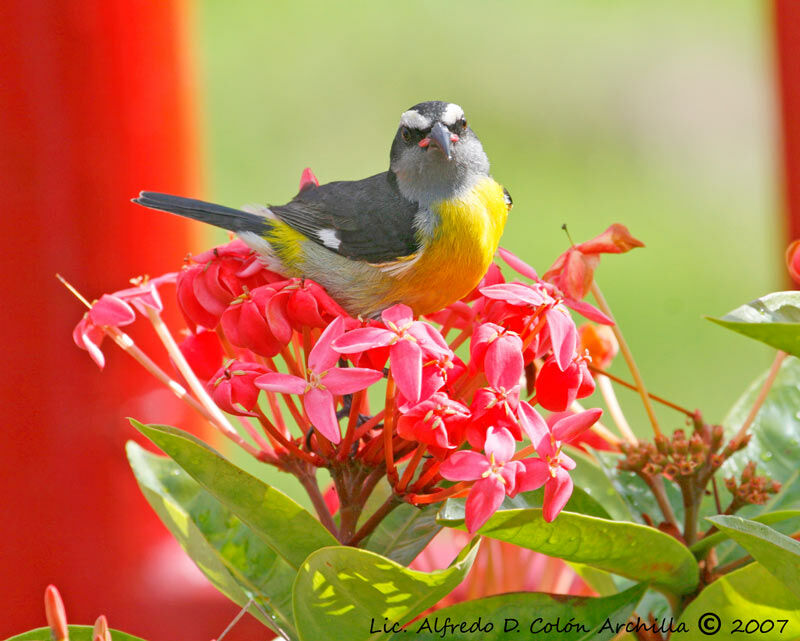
x,y
535,475
362,339
322,357
499,442
517,264
282,383
319,406
111,311
588,311
556,494
346,380
570,427
563,336
503,362
401,315
464,465
406,367
533,424
483,500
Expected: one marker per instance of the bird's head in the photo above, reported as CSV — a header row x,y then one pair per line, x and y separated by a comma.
x,y
435,155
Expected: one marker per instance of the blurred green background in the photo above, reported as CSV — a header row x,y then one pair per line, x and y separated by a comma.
x,y
660,116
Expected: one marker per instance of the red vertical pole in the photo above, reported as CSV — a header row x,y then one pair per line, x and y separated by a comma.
x,y
94,107
787,47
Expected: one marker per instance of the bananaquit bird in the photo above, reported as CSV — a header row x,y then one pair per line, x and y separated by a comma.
x,y
423,233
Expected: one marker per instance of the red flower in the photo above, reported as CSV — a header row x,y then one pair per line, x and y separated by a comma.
x,y
408,340
221,274
301,303
438,421
109,311
203,352
494,473
573,271
233,387
583,308
557,389
552,466
323,382
246,325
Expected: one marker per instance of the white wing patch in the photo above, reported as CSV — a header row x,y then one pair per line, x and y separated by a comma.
x,y
452,113
329,238
415,120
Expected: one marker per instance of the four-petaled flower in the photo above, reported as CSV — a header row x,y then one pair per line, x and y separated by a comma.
x,y
322,382
494,473
407,340
552,466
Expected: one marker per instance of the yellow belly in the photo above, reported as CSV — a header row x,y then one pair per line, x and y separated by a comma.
x,y
460,252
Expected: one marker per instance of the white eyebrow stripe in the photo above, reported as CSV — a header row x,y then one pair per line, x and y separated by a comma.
x,y
415,120
451,114
329,238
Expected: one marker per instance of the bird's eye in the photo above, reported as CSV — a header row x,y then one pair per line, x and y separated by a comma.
x,y
462,123
405,133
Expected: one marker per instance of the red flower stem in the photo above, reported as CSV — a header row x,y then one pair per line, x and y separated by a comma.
x,y
540,319
424,499
411,468
266,446
226,346
289,445
624,383
656,485
298,351
126,343
291,363
366,427
372,479
277,416
628,356
306,344
459,340
448,324
762,396
426,477
367,453
598,428
355,410
309,481
525,451
185,369
388,429
297,415
372,522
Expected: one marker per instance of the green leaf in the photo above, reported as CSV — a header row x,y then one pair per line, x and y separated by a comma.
x,y
579,618
345,593
748,593
778,553
592,479
76,633
403,534
635,551
280,522
773,319
699,548
775,437
233,558
634,491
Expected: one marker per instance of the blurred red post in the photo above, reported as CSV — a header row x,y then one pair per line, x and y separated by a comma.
x,y
787,47
95,106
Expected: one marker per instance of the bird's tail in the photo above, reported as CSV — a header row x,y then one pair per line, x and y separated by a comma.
x,y
217,215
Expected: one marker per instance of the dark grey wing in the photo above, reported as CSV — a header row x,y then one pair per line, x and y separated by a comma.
x,y
365,220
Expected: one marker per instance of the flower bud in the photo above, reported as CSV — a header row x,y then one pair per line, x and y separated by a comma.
x,y
56,614
793,260
600,342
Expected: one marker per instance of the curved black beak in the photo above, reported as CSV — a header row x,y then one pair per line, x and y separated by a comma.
x,y
440,136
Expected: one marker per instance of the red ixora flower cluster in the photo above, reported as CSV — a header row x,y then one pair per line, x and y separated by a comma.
x,y
264,348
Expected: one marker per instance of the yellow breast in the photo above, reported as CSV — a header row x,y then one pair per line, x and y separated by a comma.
x,y
460,252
